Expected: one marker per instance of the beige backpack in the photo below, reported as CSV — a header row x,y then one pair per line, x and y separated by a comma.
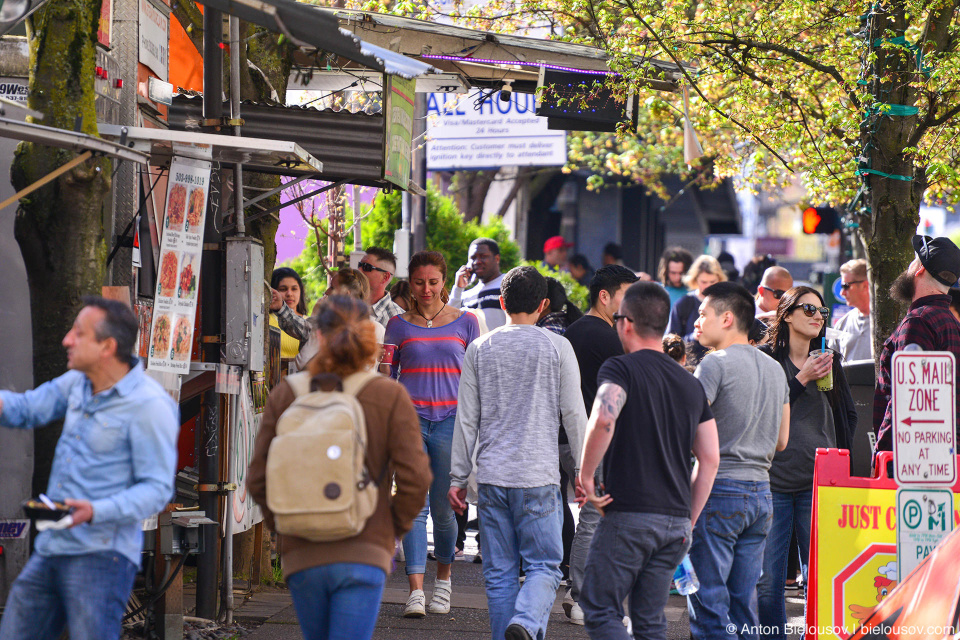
x,y
318,486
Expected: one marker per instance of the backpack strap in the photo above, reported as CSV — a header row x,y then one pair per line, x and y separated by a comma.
x,y
300,383
355,382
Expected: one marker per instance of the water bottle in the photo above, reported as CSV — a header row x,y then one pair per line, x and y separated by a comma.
x,y
685,577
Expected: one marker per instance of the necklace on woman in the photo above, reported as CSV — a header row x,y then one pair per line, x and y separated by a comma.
x,y
430,320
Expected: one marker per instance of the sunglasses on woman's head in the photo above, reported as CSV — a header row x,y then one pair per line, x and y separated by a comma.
x,y
810,310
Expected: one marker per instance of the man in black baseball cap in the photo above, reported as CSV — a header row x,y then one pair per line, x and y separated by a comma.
x,y
924,286
940,257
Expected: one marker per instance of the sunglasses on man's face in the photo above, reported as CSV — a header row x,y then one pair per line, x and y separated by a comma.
x,y
367,267
810,310
777,293
617,317
847,285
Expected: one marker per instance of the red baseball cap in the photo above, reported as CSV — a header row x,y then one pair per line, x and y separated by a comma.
x,y
556,242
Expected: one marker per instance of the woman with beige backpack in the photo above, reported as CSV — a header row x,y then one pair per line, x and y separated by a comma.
x,y
330,440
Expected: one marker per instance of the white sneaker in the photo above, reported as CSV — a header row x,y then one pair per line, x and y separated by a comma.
x,y
400,556
576,614
414,607
440,603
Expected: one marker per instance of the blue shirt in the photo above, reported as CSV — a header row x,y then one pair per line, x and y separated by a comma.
x,y
118,450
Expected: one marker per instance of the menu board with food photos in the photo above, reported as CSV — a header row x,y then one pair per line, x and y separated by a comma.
x,y
175,305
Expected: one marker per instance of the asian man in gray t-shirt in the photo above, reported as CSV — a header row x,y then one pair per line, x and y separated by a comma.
x,y
750,400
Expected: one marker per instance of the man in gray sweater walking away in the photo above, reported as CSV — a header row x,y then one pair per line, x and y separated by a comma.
x,y
518,383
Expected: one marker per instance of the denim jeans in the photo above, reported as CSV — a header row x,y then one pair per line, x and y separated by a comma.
x,y
337,601
437,442
586,526
86,594
727,548
633,555
520,527
790,510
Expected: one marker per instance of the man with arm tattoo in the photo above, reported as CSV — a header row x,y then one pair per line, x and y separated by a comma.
x,y
594,340
649,414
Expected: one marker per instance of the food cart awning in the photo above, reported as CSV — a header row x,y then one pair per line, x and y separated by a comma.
x,y
256,154
487,59
63,139
318,28
85,145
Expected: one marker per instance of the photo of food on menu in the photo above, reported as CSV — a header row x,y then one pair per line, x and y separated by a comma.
x,y
187,285
175,207
182,339
167,281
195,210
161,337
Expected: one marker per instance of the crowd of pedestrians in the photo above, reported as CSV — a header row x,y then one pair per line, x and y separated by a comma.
x,y
683,414
706,401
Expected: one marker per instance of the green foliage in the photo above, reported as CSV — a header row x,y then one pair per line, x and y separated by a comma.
x,y
310,267
447,232
310,263
576,292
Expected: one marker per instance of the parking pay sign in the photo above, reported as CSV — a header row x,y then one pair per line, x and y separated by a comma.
x,y
924,418
924,518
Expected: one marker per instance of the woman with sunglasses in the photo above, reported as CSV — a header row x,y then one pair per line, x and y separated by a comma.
x,y
817,419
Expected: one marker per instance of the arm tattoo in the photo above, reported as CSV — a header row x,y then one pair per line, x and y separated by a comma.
x,y
609,402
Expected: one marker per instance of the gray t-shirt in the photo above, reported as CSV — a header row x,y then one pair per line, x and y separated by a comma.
x,y
519,383
811,426
855,343
746,390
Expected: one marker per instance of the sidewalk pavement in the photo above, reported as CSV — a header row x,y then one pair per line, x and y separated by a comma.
x,y
270,613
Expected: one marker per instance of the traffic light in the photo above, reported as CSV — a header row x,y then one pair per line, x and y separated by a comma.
x,y
820,220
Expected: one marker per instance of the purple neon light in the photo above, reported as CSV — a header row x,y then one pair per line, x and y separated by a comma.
x,y
518,62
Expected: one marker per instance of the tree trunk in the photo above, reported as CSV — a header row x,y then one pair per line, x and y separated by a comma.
x,y
472,188
60,227
273,60
894,198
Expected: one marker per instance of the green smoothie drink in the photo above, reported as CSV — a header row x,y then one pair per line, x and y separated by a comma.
x,y
826,382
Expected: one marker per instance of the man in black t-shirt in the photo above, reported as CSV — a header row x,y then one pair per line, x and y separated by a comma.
x,y
594,340
648,415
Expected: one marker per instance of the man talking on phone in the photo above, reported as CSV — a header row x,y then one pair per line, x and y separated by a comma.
x,y
477,284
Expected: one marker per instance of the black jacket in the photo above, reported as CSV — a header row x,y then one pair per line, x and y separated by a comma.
x,y
841,400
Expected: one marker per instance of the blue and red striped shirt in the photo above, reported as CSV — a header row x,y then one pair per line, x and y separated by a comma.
x,y
429,362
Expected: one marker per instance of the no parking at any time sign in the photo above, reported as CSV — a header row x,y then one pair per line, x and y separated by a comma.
x,y
924,418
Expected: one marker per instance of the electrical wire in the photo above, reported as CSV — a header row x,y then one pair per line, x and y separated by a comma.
x,y
158,594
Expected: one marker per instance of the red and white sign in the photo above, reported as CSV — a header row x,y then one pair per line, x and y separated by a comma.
x,y
924,418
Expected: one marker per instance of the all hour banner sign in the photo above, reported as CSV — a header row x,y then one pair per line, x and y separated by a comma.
x,y
175,305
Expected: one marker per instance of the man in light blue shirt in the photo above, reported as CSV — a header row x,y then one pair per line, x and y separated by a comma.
x,y
114,465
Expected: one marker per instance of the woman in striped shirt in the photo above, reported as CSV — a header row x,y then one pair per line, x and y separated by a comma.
x,y
431,340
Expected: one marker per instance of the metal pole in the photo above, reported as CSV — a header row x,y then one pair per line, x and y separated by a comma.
x,y
228,509
208,473
208,465
235,116
419,175
212,65
357,240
